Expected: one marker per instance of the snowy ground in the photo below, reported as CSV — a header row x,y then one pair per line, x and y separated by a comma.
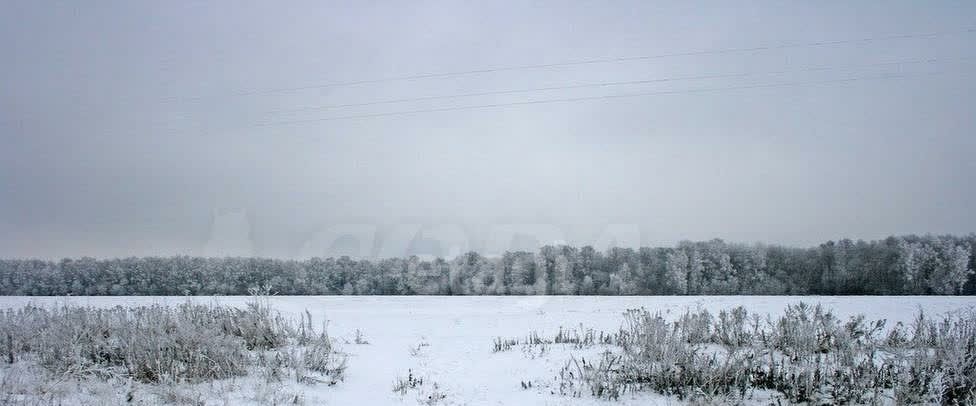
x,y
448,340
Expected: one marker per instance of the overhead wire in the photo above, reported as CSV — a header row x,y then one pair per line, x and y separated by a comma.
x,y
600,84
581,98
576,63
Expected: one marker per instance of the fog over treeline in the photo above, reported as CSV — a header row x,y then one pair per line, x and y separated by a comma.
x,y
911,265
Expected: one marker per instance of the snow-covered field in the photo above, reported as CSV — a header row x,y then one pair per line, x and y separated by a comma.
x,y
448,340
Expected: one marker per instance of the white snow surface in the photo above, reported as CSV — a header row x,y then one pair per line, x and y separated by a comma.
x,y
459,332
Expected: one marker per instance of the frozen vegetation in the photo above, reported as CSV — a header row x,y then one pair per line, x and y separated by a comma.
x,y
160,354
914,265
487,350
807,355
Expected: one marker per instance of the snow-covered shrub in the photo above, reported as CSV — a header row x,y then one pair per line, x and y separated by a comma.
x,y
404,384
150,344
807,355
318,356
503,344
427,392
360,338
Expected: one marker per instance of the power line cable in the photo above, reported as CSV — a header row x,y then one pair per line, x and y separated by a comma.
x,y
603,84
578,99
585,62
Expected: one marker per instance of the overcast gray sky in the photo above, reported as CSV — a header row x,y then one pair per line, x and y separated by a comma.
x,y
133,128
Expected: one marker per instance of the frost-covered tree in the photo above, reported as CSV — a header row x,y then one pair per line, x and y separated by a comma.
x,y
628,280
895,265
539,287
696,271
588,286
723,276
951,269
563,284
913,256
677,271
614,285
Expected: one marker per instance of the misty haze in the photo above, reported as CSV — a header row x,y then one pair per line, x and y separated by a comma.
x,y
205,202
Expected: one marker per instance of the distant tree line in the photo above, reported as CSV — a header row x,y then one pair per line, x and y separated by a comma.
x,y
916,265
